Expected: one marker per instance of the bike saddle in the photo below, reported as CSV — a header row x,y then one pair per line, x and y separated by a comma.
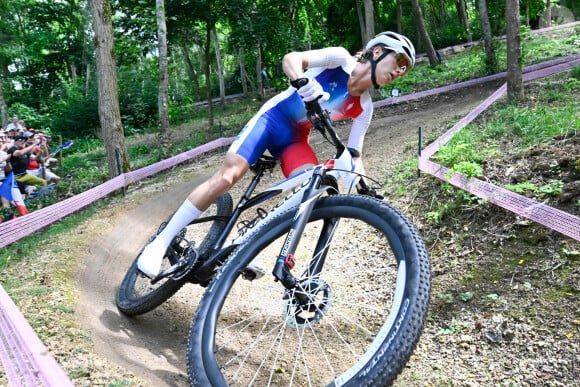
x,y
265,162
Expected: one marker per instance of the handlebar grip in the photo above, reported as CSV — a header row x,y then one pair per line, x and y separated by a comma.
x,y
298,83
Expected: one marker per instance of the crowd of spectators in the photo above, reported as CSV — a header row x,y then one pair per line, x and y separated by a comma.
x,y
24,160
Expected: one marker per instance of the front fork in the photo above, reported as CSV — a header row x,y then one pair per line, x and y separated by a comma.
x,y
286,259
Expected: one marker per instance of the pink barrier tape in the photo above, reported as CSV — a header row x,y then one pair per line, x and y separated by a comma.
x,y
551,217
558,66
26,360
472,82
474,43
23,226
558,220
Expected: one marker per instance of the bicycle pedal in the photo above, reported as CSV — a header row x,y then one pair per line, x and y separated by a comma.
x,y
253,271
180,269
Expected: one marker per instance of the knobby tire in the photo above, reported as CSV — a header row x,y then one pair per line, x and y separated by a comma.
x,y
137,295
367,305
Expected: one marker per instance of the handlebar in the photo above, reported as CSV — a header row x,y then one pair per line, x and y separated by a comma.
x,y
322,122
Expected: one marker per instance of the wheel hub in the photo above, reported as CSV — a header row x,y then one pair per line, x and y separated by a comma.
x,y
308,303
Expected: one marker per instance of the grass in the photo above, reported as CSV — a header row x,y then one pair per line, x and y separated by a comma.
x,y
550,109
470,63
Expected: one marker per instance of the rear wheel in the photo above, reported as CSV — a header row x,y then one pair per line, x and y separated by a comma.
x,y
137,294
355,319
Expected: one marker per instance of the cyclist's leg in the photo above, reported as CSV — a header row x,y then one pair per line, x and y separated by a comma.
x,y
297,157
250,144
233,169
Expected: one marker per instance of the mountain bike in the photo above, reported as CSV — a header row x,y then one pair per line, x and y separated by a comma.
x,y
348,293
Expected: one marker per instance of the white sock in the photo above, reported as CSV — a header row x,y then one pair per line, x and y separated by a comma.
x,y
150,260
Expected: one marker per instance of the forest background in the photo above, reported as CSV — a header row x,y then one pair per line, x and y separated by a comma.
x,y
165,56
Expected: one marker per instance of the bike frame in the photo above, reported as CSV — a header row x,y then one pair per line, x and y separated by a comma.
x,y
306,186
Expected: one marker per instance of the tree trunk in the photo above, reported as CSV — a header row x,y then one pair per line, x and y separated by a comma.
x,y
220,66
162,98
190,68
549,12
73,71
206,68
3,108
433,60
369,19
399,16
515,88
260,90
109,112
490,59
243,72
361,21
88,79
462,11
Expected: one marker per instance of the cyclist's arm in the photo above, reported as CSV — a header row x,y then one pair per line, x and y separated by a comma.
x,y
295,63
360,124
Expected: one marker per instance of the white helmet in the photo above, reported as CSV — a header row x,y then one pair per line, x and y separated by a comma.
x,y
395,42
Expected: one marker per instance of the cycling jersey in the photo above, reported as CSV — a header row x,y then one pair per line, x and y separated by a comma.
x,y
282,120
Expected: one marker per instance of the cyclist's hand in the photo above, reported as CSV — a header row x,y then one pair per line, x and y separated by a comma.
x,y
311,90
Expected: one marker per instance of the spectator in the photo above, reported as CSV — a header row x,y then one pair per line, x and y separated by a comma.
x,y
16,125
38,160
264,75
22,126
8,193
13,125
24,145
11,133
4,157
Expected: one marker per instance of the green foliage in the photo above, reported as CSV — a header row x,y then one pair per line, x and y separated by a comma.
x,y
576,72
31,116
455,327
460,154
75,114
551,115
467,168
522,187
554,188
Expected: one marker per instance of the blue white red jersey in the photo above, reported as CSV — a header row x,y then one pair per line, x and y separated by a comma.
x,y
282,120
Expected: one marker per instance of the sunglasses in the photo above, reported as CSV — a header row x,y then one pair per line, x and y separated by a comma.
x,y
403,62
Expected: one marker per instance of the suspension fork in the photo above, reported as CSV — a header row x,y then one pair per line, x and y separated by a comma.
x,y
286,259
319,255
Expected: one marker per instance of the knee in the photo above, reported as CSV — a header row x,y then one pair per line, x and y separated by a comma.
x,y
225,178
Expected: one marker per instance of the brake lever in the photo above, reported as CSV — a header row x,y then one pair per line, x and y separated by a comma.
x,y
364,189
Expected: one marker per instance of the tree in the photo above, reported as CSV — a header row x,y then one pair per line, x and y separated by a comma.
x,y
369,20
109,112
433,60
515,86
163,100
3,107
462,11
220,66
490,60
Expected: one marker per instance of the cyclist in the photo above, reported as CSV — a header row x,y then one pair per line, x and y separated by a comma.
x,y
332,76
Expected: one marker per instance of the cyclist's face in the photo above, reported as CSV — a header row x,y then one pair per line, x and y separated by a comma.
x,y
390,68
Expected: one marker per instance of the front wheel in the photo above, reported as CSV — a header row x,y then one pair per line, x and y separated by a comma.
x,y
137,294
364,272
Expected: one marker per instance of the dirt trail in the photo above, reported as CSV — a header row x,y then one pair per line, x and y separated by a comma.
x,y
153,346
